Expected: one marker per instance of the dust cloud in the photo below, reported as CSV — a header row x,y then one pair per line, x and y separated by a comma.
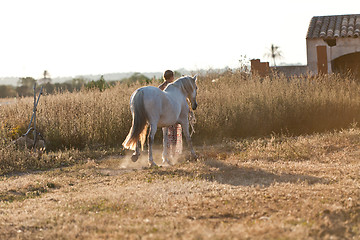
x,y
142,162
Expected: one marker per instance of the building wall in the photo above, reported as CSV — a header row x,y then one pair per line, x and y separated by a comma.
x,y
290,71
258,67
263,69
343,46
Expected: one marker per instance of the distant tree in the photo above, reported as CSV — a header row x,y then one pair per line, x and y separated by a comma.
x,y
63,87
274,53
46,78
26,81
25,87
177,74
100,84
78,83
7,91
46,74
48,88
137,78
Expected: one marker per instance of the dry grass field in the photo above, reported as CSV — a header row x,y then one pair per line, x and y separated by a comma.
x,y
274,163
5,101
269,188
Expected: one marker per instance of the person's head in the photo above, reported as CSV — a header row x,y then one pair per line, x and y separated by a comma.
x,y
169,75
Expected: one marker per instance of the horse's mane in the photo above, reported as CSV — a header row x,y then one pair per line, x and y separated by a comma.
x,y
186,84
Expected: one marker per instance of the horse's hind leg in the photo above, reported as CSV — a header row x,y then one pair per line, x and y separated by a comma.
x,y
165,146
153,128
136,154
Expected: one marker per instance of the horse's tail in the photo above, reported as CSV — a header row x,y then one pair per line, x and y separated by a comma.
x,y
139,126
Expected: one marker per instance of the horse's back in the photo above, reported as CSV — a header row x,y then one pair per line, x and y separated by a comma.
x,y
159,106
150,93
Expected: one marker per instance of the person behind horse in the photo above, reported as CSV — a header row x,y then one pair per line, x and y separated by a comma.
x,y
174,132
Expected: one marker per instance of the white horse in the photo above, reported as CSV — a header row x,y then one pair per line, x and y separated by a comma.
x,y
155,108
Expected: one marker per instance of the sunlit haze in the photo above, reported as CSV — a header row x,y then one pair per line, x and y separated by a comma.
x,y
74,37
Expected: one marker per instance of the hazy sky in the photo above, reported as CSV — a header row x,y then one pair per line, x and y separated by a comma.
x,y
74,37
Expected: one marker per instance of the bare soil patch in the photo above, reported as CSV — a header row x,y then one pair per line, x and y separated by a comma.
x,y
222,195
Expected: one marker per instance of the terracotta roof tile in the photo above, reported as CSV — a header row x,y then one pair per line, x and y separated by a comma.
x,y
334,26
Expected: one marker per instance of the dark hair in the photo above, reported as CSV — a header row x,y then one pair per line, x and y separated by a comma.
x,y
168,74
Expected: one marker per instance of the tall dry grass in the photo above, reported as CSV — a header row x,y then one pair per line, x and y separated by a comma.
x,y
234,105
231,105
91,119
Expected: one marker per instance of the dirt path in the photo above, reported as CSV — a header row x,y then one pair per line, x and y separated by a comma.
x,y
220,196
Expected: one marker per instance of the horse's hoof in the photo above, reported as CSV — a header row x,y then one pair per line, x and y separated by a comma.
x,y
134,157
167,162
152,165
